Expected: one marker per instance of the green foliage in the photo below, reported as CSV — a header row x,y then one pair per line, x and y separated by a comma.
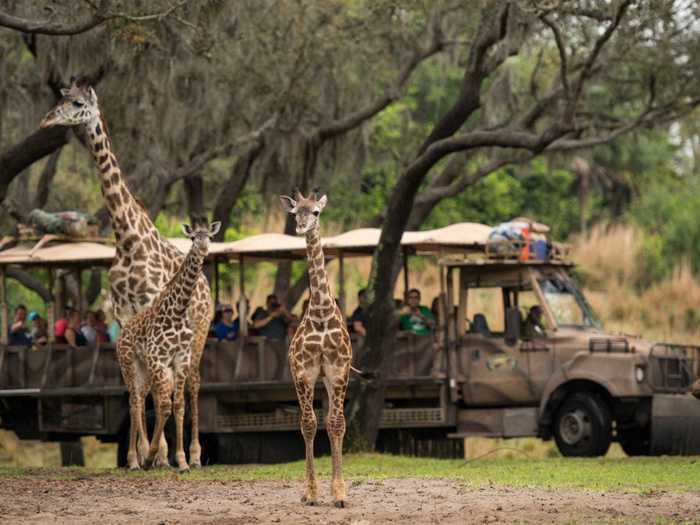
x,y
624,474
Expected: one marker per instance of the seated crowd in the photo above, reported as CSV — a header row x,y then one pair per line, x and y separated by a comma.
x,y
276,322
69,329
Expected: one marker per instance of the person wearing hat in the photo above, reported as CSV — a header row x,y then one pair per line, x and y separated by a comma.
x,y
227,328
39,333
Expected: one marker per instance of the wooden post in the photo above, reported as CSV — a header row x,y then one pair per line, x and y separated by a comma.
x,y
3,307
242,309
341,284
51,309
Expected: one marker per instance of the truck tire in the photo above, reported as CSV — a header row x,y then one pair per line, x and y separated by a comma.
x,y
583,426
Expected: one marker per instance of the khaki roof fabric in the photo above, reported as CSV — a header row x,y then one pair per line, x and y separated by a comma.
x,y
456,237
85,253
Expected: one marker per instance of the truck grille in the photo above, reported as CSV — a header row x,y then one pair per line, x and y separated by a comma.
x,y
673,368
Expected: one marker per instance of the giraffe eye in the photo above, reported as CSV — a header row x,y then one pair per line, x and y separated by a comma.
x,y
316,213
78,104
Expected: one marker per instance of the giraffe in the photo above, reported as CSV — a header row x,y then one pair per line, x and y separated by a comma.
x,y
154,352
321,345
144,261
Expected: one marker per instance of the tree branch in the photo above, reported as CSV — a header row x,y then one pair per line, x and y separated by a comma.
x,y
51,27
29,281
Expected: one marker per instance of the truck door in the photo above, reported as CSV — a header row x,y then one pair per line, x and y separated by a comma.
x,y
536,347
496,373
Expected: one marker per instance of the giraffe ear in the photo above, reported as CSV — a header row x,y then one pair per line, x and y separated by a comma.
x,y
92,95
321,203
288,204
187,230
214,228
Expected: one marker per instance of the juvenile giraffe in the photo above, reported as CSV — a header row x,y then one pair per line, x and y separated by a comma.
x,y
144,261
321,344
155,349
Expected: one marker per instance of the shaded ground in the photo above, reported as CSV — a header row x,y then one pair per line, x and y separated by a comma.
x,y
118,500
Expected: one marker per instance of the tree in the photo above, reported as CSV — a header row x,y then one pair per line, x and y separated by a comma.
x,y
602,42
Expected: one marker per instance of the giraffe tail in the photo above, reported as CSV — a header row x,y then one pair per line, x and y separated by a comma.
x,y
362,374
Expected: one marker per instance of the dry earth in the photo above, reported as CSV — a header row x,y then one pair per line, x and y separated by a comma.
x,y
108,500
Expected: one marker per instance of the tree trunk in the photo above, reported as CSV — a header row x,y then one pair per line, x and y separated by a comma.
x,y
46,178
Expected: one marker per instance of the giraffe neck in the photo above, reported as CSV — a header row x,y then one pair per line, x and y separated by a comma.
x,y
127,215
318,279
178,293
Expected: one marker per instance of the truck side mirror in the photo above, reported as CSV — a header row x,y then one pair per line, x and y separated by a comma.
x,y
512,325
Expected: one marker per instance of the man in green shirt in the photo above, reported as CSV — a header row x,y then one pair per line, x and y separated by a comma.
x,y
416,317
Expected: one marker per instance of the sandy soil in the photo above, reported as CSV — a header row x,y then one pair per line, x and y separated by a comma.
x,y
169,501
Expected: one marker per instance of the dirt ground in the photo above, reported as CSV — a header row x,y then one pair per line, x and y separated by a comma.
x,y
105,501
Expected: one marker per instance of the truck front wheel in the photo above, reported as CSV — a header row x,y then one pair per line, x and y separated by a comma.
x,y
583,426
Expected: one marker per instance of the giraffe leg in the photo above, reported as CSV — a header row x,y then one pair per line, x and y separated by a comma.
x,y
141,388
181,368
163,391
127,365
193,384
305,382
336,381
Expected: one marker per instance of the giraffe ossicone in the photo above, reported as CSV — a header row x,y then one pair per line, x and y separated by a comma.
x,y
155,351
320,347
145,261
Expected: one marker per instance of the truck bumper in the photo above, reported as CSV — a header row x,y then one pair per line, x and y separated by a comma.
x,y
675,424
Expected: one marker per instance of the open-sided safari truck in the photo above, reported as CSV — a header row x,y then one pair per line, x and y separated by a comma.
x,y
564,376
570,380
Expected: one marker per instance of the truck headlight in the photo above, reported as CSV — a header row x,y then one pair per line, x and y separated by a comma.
x,y
639,373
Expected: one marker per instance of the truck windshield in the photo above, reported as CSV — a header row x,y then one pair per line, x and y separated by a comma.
x,y
568,304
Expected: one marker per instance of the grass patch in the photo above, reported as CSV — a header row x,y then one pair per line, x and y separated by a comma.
x,y
644,475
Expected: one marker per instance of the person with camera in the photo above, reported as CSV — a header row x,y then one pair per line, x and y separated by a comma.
x,y
273,321
416,318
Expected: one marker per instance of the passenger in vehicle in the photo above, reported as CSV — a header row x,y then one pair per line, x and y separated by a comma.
x,y
88,329
18,334
39,333
101,327
533,325
480,325
71,333
227,328
273,321
358,320
217,319
416,318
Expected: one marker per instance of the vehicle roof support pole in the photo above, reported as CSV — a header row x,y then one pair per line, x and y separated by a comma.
x,y
405,277
451,337
462,305
3,307
81,295
242,305
341,283
216,280
51,308
543,301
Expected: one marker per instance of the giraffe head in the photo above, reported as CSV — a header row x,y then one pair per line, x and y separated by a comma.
x,y
77,106
306,210
200,234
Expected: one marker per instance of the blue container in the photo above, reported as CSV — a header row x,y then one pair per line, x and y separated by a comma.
x,y
541,251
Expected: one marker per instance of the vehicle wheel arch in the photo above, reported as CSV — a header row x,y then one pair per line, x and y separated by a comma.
x,y
556,396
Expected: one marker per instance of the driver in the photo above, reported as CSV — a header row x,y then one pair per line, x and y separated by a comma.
x,y
533,323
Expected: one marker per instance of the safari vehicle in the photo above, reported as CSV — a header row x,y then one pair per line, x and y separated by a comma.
x,y
568,378
571,380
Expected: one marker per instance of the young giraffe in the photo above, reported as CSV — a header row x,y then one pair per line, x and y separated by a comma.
x,y
144,260
320,344
154,352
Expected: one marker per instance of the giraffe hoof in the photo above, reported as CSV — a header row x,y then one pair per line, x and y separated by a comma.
x,y
148,464
184,470
340,504
134,468
307,501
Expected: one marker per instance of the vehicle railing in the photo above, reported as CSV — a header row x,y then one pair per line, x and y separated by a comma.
x,y
526,250
673,368
250,359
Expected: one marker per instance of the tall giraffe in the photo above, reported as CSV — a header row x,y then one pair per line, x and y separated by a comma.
x,y
144,261
155,349
321,344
